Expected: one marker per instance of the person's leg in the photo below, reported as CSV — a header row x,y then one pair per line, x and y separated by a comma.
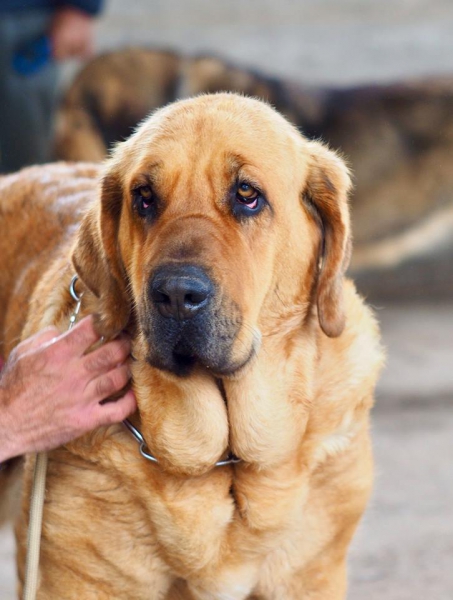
x,y
27,103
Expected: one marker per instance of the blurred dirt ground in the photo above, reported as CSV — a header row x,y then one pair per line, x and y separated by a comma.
x,y
404,548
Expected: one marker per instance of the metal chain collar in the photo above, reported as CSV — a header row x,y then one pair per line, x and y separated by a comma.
x,y
143,449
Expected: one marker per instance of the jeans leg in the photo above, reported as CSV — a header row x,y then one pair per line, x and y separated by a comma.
x,y
27,103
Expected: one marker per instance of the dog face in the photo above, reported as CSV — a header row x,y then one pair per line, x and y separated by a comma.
x,y
213,220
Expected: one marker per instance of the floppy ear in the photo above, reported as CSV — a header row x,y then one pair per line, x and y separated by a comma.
x,y
97,261
325,194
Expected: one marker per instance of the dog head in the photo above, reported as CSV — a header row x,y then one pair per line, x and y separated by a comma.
x,y
215,220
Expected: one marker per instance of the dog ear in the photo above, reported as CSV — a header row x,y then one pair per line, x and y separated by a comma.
x,y
326,196
97,260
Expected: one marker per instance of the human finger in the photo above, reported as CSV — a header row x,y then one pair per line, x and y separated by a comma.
x,y
107,357
116,411
81,337
108,384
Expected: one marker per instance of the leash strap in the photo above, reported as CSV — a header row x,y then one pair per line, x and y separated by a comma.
x,y
34,528
38,492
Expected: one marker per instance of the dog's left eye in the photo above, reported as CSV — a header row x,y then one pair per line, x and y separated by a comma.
x,y
247,194
248,200
144,200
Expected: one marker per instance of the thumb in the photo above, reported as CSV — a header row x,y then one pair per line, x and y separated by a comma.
x,y
42,338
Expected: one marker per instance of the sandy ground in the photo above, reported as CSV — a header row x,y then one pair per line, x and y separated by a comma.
x,y
404,549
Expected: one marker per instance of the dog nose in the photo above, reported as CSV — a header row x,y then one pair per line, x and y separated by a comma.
x,y
180,291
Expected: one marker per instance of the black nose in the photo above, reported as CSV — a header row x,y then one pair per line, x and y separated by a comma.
x,y
180,291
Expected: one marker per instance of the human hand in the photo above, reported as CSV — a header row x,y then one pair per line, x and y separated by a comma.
x,y
50,391
71,34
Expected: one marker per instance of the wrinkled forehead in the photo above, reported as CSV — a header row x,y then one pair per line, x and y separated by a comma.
x,y
221,132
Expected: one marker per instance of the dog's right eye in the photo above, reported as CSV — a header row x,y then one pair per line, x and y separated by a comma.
x,y
144,200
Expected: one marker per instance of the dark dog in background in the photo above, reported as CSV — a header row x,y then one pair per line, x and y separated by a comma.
x,y
397,138
116,90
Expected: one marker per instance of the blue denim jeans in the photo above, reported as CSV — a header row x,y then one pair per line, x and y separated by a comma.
x,y
27,103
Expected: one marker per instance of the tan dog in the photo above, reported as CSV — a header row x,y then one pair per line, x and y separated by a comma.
x,y
219,238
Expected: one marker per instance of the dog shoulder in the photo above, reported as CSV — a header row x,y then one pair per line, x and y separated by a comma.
x,y
350,364
348,369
